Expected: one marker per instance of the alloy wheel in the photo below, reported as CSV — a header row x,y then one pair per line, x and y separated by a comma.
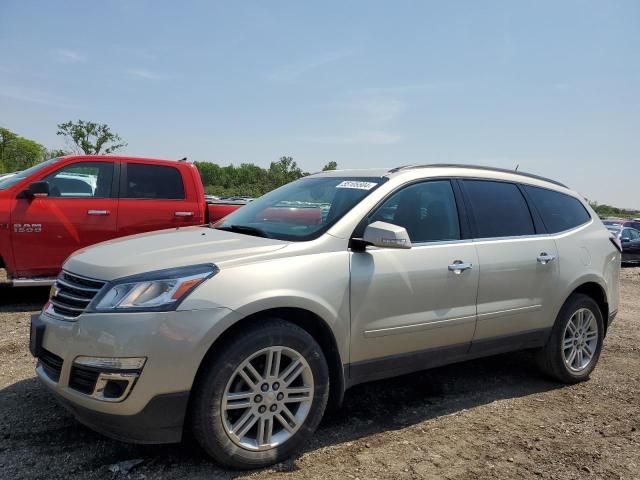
x,y
267,398
580,340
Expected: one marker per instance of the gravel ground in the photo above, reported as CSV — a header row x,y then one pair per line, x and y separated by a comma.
x,y
492,418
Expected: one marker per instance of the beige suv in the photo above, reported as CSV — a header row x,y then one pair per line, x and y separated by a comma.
x,y
247,329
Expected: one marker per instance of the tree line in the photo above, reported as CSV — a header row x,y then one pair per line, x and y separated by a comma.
x,y
246,179
19,153
604,210
90,138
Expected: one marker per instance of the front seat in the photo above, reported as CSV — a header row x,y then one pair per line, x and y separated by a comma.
x,y
408,214
436,226
103,186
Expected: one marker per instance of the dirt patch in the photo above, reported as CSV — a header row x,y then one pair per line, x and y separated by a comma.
x,y
491,418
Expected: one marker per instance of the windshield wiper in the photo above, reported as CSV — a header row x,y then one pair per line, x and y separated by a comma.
x,y
246,229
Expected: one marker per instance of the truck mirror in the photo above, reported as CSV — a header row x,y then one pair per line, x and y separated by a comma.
x,y
38,189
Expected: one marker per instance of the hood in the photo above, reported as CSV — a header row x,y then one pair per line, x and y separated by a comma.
x,y
162,249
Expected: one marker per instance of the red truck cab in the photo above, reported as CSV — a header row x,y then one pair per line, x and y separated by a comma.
x,y
59,206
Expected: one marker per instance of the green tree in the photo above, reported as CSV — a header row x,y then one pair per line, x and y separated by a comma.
x,y
18,153
91,138
283,171
55,153
247,179
604,210
330,166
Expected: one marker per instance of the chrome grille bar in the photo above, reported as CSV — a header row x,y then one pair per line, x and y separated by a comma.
x,y
72,294
75,287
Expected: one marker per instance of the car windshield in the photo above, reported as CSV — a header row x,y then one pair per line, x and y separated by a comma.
x,y
11,180
301,210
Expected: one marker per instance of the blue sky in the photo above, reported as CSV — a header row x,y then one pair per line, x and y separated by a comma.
x,y
552,86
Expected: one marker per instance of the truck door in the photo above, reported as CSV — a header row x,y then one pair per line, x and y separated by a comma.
x,y
80,210
153,197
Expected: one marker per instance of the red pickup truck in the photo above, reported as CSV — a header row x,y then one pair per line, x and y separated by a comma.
x,y
58,206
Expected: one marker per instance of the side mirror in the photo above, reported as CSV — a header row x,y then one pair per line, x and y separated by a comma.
x,y
386,235
625,239
38,189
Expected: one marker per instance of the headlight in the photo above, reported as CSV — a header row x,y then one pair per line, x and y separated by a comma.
x,y
155,291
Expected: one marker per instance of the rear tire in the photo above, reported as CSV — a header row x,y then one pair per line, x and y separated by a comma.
x,y
574,347
261,396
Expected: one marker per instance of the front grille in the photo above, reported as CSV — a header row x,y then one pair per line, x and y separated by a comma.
x,y
51,364
72,294
83,379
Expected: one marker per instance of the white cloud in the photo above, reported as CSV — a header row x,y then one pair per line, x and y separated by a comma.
x,y
70,56
146,74
291,72
364,138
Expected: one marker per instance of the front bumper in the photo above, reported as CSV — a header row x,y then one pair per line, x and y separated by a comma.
x,y
174,344
160,421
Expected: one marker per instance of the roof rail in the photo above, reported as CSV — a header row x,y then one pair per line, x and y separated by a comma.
x,y
475,167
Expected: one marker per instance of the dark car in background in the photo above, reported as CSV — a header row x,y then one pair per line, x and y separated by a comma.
x,y
622,222
629,241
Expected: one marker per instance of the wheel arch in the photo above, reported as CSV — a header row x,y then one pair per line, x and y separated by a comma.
x,y
309,321
597,292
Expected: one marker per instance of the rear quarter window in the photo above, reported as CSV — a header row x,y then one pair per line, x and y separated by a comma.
x,y
559,212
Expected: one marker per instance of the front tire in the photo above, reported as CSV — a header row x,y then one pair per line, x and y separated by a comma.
x,y
261,396
574,347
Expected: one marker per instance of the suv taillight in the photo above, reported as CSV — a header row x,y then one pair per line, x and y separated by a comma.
x,y
616,243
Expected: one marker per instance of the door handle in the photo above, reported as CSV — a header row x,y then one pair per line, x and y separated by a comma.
x,y
545,258
184,214
98,212
458,266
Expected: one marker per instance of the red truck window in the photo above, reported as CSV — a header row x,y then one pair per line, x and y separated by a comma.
x,y
85,180
153,181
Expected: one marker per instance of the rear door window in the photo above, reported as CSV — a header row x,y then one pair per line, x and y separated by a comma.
x,y
559,212
498,209
153,182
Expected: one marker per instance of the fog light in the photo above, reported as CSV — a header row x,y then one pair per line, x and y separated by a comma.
x,y
114,387
108,363
108,379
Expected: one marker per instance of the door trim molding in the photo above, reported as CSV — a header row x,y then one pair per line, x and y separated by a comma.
x,y
395,365
418,327
508,312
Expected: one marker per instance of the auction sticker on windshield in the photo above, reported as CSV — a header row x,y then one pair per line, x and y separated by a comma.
x,y
358,185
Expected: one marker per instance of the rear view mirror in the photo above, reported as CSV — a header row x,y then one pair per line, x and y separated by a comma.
x,y
386,235
38,189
